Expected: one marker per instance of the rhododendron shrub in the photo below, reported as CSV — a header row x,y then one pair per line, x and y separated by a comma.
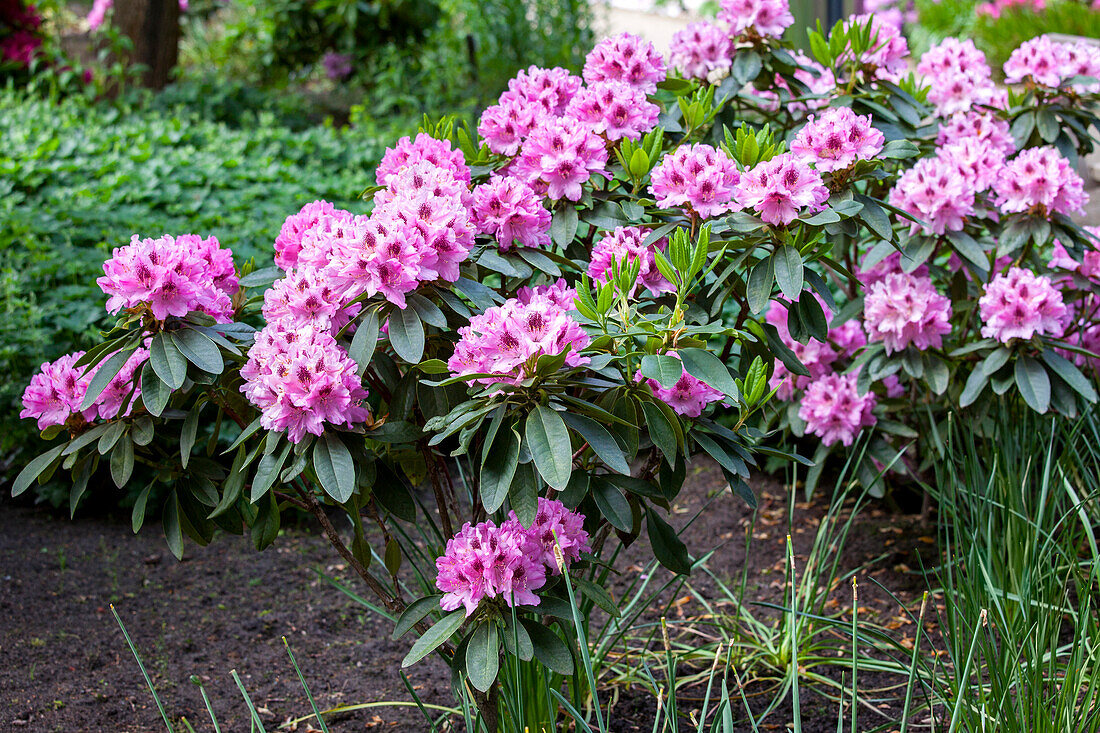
x,y
499,368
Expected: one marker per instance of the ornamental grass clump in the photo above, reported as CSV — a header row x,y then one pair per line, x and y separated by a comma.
x,y
500,368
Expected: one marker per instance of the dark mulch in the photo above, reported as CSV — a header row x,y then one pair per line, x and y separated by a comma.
x,y
64,665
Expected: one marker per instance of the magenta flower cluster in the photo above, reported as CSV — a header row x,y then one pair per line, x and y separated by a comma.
x,y
509,562
1049,63
768,18
689,396
701,50
836,139
171,276
903,310
508,339
623,247
958,78
834,410
781,189
57,392
1019,304
510,211
1042,181
696,177
302,380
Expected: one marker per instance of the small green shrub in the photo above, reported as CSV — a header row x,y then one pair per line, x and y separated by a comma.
x,y
77,180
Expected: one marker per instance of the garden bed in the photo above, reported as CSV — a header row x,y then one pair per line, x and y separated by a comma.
x,y
66,666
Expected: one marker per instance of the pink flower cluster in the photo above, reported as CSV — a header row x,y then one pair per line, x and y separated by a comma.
x,y
614,109
833,409
978,163
997,7
532,96
58,389
700,50
958,77
508,562
985,127
301,379
815,355
1040,180
688,397
904,310
836,139
781,188
508,339
698,177
559,156
425,149
764,17
1089,265
1051,64
510,210
1020,304
171,276
888,265
627,58
625,246
936,192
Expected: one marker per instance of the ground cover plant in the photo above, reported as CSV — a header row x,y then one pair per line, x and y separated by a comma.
x,y
543,321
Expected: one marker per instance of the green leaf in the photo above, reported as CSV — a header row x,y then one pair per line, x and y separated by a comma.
x,y
188,433
516,639
975,383
1070,374
108,370
1034,383
335,469
199,350
170,522
668,548
167,361
875,218
563,227
154,392
364,342
483,655
523,495
110,436
707,367
612,504
407,335
600,440
35,468
663,368
758,290
660,431
122,461
267,471
788,271
413,614
549,648
137,516
499,468
232,486
434,637
548,440
731,463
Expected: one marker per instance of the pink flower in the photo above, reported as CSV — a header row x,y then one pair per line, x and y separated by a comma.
x,y
559,156
548,90
888,265
508,339
936,193
905,309
688,397
1040,59
337,65
307,297
698,177
626,58
983,126
833,409
506,125
888,55
848,337
836,139
700,49
780,188
624,246
301,380
1088,267
288,245
56,392
1040,179
554,525
559,293
120,395
428,203
615,110
1021,304
510,210
424,149
170,276
979,163
958,77
766,17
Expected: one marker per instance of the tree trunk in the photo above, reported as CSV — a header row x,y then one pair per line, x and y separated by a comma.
x,y
153,27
